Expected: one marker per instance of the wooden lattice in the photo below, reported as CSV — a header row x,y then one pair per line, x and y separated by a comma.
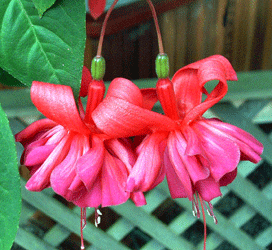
x,y
244,212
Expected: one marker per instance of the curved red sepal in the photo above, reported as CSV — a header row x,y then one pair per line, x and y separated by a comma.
x,y
189,84
96,7
121,113
57,103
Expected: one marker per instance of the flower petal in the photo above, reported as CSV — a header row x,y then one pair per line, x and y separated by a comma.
x,y
26,135
38,155
114,176
251,148
57,103
63,174
138,198
179,165
89,165
208,189
196,170
92,198
123,151
41,178
148,167
222,153
228,178
175,185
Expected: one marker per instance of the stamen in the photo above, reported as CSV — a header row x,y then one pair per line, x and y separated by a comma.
x,y
97,217
196,211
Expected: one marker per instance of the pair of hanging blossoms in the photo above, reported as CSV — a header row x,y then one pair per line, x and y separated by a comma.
x,y
89,157
196,155
118,148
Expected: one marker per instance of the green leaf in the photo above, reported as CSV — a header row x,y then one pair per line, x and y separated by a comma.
x,y
7,79
10,195
48,49
43,5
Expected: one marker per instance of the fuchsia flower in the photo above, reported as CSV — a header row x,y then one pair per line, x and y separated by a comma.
x,y
197,155
70,154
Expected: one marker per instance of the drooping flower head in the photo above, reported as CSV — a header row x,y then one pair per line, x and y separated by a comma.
x,y
197,155
69,153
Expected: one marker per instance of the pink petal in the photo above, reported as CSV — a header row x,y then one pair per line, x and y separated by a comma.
x,y
113,179
138,198
208,189
96,7
26,135
222,154
41,178
63,174
57,103
251,148
38,155
147,169
92,198
89,165
196,170
178,165
123,150
193,143
228,178
175,185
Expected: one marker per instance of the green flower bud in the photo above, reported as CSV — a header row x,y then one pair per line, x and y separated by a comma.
x,y
162,66
98,68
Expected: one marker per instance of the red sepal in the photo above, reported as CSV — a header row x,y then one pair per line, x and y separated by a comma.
x,y
57,103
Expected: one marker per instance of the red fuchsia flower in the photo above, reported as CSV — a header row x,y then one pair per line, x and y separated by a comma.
x,y
70,154
196,154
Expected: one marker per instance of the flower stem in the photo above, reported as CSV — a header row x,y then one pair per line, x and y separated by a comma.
x,y
102,34
161,51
